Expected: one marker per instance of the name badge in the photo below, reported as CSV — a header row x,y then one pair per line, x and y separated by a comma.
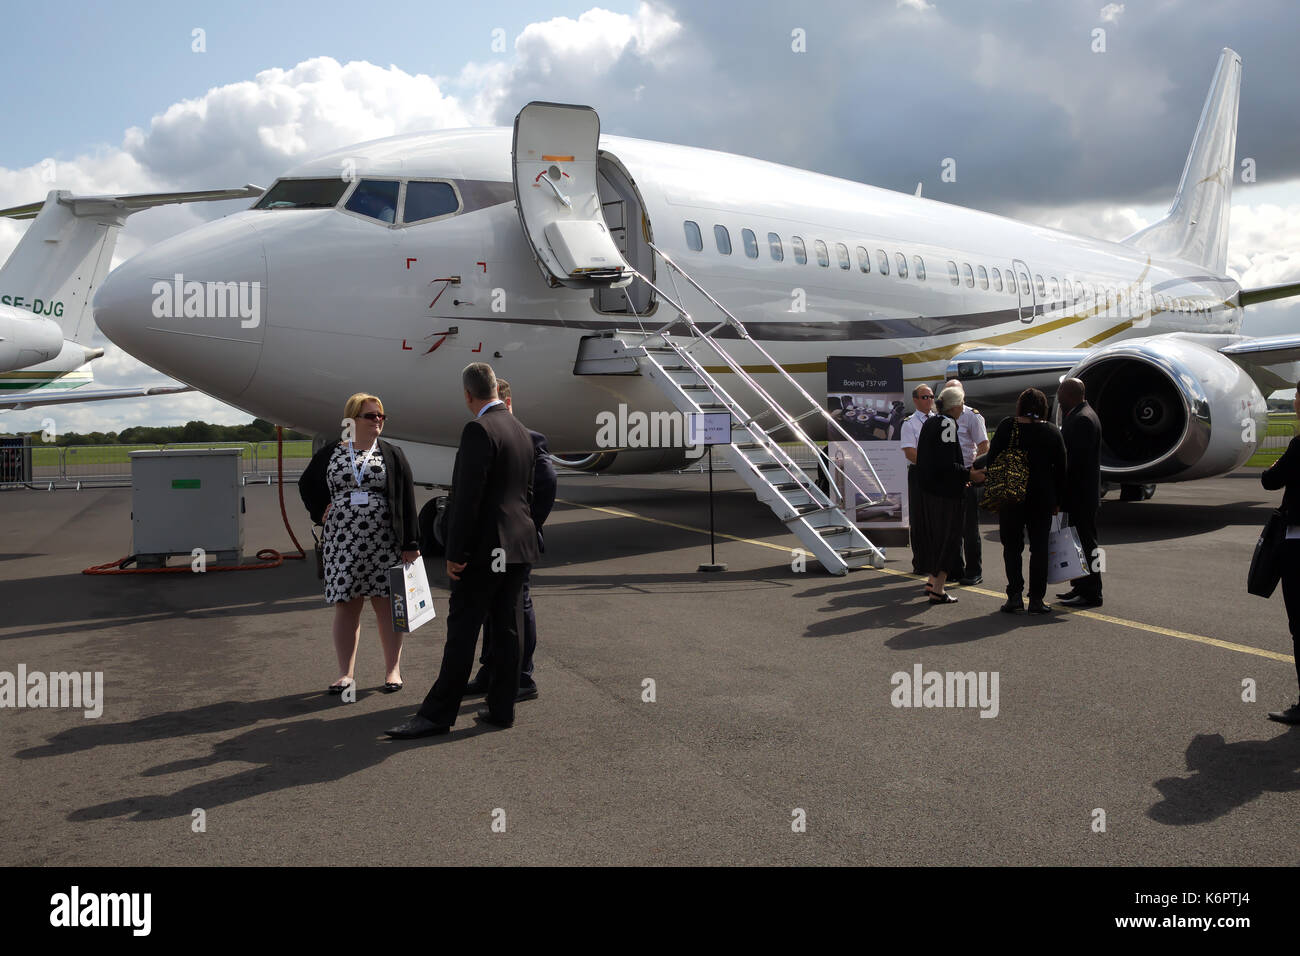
x,y
360,498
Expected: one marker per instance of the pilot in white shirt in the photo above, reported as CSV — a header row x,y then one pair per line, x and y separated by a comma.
x,y
909,434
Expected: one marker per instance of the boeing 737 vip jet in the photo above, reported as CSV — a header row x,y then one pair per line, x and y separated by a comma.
x,y
46,287
598,272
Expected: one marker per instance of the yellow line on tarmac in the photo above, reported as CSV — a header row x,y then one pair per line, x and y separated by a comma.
x,y
1109,619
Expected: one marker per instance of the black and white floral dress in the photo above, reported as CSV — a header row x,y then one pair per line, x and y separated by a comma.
x,y
360,545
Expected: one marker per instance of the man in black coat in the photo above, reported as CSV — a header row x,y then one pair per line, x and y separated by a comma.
x,y
544,488
491,544
1082,433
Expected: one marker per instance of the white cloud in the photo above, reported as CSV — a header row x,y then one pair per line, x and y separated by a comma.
x,y
1110,12
920,5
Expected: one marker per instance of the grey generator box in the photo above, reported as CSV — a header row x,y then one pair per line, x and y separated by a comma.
x,y
182,499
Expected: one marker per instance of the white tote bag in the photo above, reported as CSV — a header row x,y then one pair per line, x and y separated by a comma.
x,y
412,601
1065,558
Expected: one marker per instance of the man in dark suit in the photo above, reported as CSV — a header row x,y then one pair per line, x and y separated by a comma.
x,y
491,543
544,488
1082,433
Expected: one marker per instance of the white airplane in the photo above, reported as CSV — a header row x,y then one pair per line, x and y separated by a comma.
x,y
389,265
46,287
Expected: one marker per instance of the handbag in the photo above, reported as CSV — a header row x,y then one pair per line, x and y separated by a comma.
x,y
320,555
1266,563
1007,479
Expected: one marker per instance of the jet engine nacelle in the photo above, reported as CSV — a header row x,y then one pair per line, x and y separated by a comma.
x,y
1171,410
27,340
638,461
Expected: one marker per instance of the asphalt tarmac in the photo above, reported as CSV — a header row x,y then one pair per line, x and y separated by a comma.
x,y
1118,737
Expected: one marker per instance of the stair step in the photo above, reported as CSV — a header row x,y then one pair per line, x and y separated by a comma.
x,y
831,530
684,386
849,554
791,486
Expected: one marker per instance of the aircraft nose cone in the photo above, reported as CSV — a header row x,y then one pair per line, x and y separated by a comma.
x,y
193,306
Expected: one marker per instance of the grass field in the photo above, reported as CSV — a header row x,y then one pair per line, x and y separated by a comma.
x,y
1279,424
47,456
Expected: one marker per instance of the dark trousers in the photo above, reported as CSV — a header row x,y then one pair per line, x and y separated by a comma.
x,y
530,642
913,505
478,596
1085,522
1013,522
1291,593
970,560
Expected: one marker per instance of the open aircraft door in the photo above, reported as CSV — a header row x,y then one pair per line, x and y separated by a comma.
x,y
555,155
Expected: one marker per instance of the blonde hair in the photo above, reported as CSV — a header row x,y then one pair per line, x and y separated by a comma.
x,y
357,402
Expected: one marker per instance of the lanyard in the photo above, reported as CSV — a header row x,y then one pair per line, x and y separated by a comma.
x,y
359,470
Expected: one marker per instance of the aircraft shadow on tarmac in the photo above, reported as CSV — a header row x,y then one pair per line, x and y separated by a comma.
x,y
1136,522
287,752
1226,776
72,603
892,602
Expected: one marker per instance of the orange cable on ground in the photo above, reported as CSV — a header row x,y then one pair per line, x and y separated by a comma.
x,y
267,557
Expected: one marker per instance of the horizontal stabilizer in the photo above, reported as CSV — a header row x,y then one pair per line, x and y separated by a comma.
x,y
1270,350
92,205
1268,293
73,396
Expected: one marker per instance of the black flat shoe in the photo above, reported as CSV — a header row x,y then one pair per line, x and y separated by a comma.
x,y
390,687
417,726
486,717
942,599
337,688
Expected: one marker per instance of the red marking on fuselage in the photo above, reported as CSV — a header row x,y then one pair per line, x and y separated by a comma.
x,y
409,260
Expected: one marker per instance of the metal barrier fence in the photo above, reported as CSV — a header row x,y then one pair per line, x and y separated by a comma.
x,y
107,465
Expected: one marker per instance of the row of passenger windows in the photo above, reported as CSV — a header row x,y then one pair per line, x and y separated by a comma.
x,y
776,249
419,200
1060,296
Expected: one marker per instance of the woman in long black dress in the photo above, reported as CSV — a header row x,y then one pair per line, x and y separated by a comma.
x,y
1045,450
1285,473
942,478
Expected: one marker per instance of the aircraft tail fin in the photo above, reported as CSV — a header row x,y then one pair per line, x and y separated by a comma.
x,y
68,249
1196,227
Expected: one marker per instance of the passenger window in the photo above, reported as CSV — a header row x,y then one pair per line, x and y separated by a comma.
x,y
953,275
774,247
918,268
1024,283
842,251
900,261
376,198
428,201
723,239
864,259
882,262
694,241
997,280
800,253
1078,292
751,243
968,275
823,257
1039,287
1056,290
984,277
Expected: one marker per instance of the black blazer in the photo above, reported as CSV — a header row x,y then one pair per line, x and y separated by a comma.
x,y
401,490
1045,448
1285,473
939,463
545,484
491,505
1081,431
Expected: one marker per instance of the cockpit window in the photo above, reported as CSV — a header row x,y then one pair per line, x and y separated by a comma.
x,y
303,194
376,198
428,201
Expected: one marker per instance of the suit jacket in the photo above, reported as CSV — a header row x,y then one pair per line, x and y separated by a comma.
x,y
1285,473
315,492
1081,430
544,484
939,466
491,505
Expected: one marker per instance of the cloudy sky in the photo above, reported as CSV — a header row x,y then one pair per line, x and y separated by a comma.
x,y
1042,124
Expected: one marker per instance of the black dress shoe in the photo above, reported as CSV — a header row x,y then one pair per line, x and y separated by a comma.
x,y
1015,605
1065,596
526,692
1038,607
417,726
1080,600
970,581
1289,716
476,686
485,715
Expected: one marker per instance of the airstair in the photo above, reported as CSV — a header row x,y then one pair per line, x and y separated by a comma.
x,y
554,171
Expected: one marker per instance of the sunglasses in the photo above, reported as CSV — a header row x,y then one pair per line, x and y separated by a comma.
x,y
374,416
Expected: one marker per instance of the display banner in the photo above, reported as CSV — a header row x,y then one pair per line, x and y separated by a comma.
x,y
866,396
